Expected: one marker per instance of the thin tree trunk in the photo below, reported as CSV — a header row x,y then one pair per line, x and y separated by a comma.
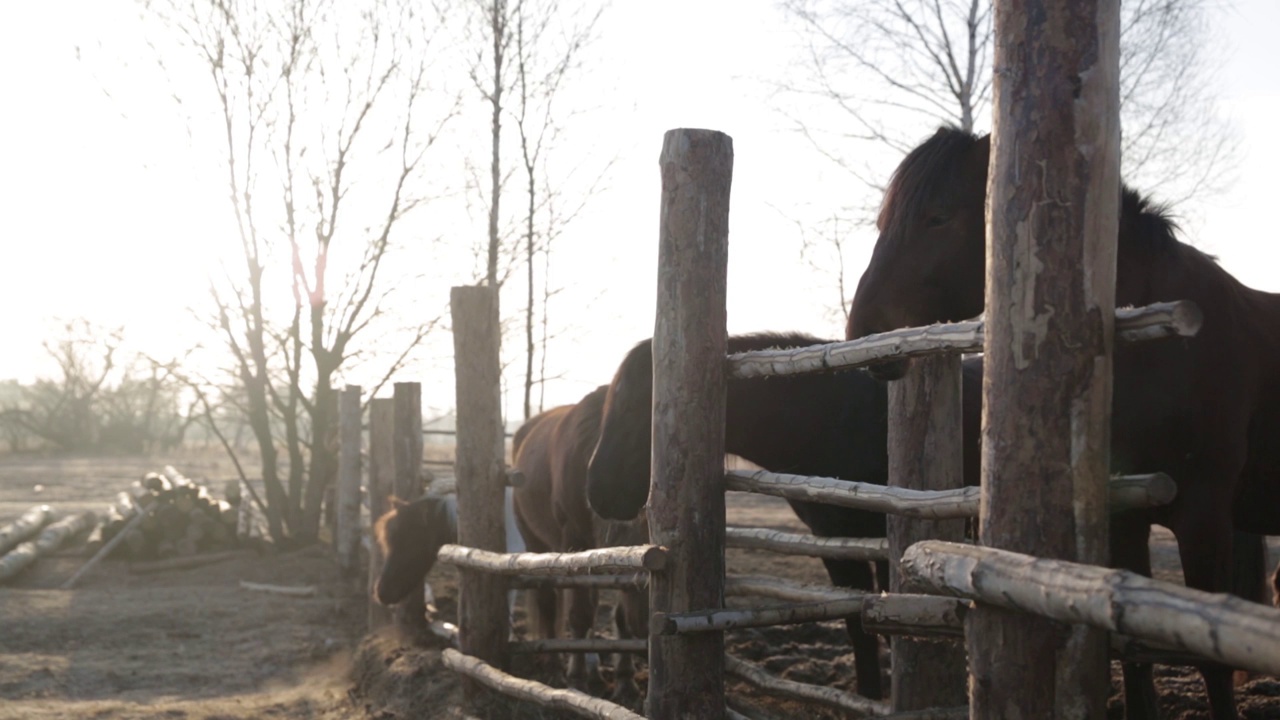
x,y
498,23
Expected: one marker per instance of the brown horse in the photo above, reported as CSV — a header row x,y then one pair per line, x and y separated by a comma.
x,y
412,533
552,450
827,424
1205,410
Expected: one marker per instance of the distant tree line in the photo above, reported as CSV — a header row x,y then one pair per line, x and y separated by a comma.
x,y
94,401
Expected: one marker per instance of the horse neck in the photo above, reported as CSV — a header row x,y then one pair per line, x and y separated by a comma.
x,y
801,425
1150,275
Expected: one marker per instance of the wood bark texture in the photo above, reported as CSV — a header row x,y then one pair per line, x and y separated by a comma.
x,y
382,464
811,545
1052,222
704,621
686,501
917,615
926,452
483,621
51,537
627,581
411,613
347,536
1178,318
534,692
610,559
25,527
1216,626
826,696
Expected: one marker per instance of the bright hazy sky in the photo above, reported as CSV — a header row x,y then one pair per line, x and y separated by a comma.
x,y
106,211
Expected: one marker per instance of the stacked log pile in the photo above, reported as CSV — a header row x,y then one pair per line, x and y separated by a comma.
x,y
50,538
180,518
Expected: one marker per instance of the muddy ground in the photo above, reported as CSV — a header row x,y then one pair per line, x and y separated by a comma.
x,y
194,644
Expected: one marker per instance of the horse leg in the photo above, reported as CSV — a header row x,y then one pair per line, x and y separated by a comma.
x,y
625,690
1206,553
584,668
866,646
1249,576
1130,550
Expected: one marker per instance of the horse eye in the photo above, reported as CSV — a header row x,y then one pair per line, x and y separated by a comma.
x,y
938,220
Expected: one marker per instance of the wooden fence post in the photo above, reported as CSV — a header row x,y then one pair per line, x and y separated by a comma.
x,y
686,500
480,471
1054,190
407,484
382,419
925,453
347,535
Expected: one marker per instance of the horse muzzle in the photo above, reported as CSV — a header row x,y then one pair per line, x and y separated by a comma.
x,y
889,370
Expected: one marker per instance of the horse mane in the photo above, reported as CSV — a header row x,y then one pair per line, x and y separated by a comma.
x,y
642,354
772,340
929,172
381,526
926,171
1150,224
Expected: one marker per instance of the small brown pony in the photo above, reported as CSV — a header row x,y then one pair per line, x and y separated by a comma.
x,y
1212,402
552,450
412,533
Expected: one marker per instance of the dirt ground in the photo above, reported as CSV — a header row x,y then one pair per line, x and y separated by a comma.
x,y
194,644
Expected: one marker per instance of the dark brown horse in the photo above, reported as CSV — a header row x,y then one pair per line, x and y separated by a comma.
x,y
828,424
552,450
1205,410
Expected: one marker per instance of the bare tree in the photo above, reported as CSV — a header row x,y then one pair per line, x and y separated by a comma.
x,y
98,398
893,70
62,410
326,118
529,49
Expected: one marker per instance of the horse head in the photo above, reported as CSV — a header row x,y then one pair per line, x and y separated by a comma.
x,y
929,261
616,487
410,534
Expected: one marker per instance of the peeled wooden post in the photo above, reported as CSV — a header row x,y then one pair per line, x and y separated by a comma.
x,y
480,471
1052,221
411,613
382,419
686,500
347,536
926,452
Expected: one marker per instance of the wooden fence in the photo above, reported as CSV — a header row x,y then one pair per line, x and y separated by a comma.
x,y
924,500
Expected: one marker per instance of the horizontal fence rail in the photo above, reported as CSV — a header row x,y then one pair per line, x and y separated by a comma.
x,y
628,581
827,696
785,590
1182,318
838,548
1218,627
920,615
1127,492
530,691
730,618
580,645
939,616
611,559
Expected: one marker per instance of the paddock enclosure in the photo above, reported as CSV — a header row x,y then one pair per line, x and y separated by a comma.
x,y
1040,624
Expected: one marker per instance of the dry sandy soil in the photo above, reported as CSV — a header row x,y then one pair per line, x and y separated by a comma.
x,y
193,644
